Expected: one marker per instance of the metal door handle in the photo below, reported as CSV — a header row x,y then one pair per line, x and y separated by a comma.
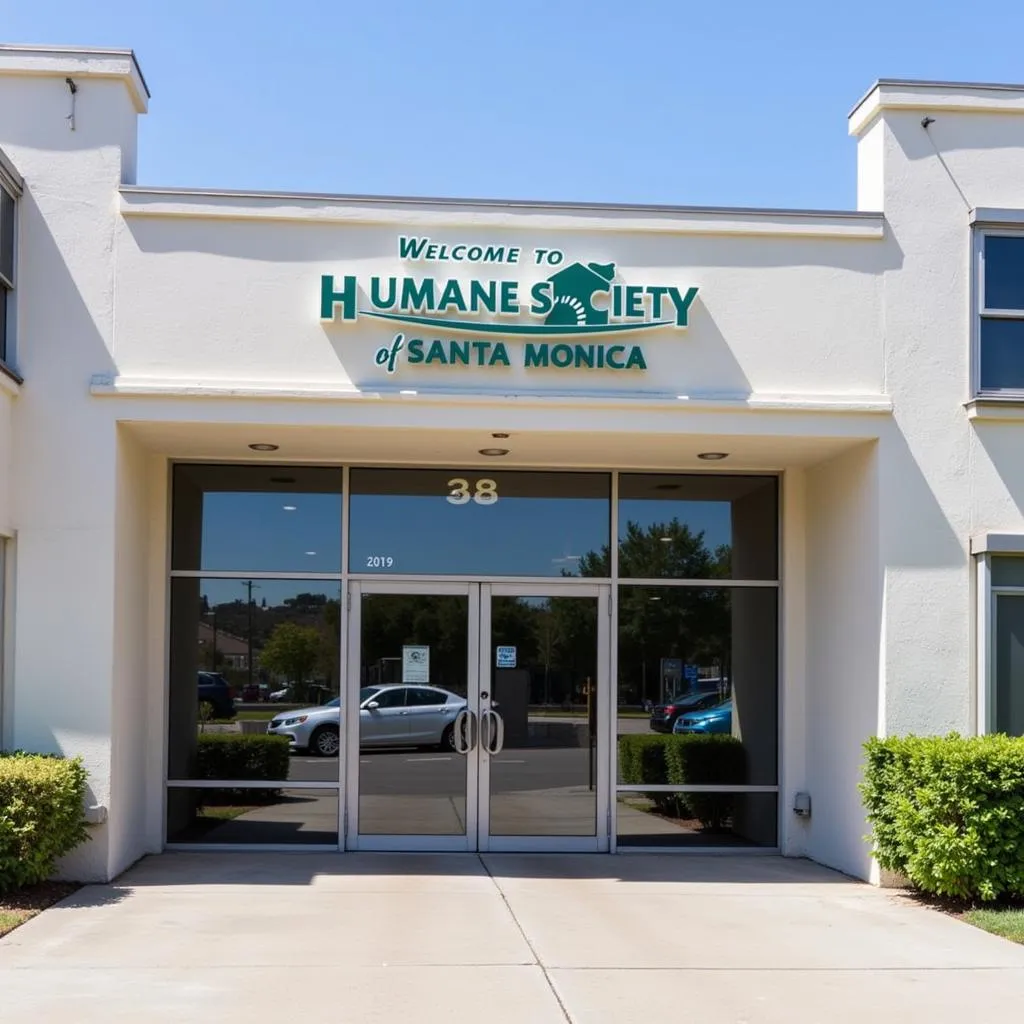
x,y
464,732
495,740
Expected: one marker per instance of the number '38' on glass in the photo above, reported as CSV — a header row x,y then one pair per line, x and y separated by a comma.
x,y
483,491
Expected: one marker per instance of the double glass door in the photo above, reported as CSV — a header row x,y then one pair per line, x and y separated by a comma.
x,y
483,719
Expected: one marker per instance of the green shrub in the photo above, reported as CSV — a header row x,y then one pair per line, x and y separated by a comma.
x,y
677,760
948,812
42,815
713,759
233,755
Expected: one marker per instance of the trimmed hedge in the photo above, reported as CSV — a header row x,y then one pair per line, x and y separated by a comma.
x,y
948,812
233,755
42,815
689,758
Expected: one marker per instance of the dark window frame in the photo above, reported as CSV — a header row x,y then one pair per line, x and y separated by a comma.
x,y
984,314
8,276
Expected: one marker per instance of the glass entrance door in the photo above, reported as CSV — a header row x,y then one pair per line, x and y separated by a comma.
x,y
481,717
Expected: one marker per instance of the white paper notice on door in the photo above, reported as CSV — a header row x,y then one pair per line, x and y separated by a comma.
x,y
415,664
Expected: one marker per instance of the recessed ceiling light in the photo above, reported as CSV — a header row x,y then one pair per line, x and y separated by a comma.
x,y
713,456
500,436
264,447
494,452
289,508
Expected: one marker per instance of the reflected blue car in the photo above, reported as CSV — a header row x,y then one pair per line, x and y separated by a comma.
x,y
714,719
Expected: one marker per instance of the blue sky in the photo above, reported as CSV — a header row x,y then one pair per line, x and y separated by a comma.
x,y
740,103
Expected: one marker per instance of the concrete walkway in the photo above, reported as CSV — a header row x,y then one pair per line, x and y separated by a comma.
x,y
502,939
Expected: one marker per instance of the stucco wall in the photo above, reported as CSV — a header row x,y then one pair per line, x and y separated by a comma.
x,y
844,616
6,456
135,691
943,476
234,297
63,477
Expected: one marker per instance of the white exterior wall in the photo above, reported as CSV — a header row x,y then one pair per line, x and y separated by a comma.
x,y
7,401
944,476
832,348
64,473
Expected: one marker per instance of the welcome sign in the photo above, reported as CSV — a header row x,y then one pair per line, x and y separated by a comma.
x,y
572,317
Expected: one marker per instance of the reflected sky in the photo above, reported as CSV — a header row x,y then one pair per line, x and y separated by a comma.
x,y
541,524
271,532
513,537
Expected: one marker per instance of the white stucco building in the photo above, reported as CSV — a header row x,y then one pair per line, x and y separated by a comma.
x,y
233,424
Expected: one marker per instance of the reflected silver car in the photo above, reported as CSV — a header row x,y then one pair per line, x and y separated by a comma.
x,y
389,716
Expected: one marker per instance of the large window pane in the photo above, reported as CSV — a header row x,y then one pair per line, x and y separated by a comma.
x,y
479,522
1004,272
698,527
257,519
257,816
1008,712
414,681
544,780
1002,354
697,819
701,662
250,657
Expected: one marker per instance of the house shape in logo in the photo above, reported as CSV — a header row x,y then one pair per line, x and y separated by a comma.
x,y
573,290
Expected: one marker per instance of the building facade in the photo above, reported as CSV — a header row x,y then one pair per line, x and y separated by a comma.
x,y
503,476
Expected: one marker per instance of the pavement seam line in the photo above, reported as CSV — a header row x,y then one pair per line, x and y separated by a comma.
x,y
529,945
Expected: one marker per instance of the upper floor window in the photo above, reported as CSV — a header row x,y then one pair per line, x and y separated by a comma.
x,y
7,209
1000,332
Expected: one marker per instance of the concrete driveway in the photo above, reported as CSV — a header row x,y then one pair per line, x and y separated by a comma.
x,y
531,939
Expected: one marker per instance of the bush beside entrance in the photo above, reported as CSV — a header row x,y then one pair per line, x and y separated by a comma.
x,y
948,812
687,759
42,815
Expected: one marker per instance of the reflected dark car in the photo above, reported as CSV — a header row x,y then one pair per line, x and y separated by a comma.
x,y
663,716
215,690
717,719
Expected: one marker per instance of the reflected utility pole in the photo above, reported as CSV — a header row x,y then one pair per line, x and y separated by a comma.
x,y
250,587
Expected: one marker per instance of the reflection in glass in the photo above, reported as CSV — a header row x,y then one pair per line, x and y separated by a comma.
x,y
414,654
253,816
1009,665
1004,272
244,652
479,522
708,526
1002,354
701,661
544,665
697,819
256,518
1008,571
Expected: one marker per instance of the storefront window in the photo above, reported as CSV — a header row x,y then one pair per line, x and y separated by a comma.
x,y
698,527
479,522
257,519
698,706
267,644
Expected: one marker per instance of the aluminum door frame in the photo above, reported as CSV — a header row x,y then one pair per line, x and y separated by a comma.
x,y
352,840
599,842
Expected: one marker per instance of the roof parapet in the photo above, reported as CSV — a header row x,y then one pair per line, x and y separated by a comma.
x,y
908,94
59,61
